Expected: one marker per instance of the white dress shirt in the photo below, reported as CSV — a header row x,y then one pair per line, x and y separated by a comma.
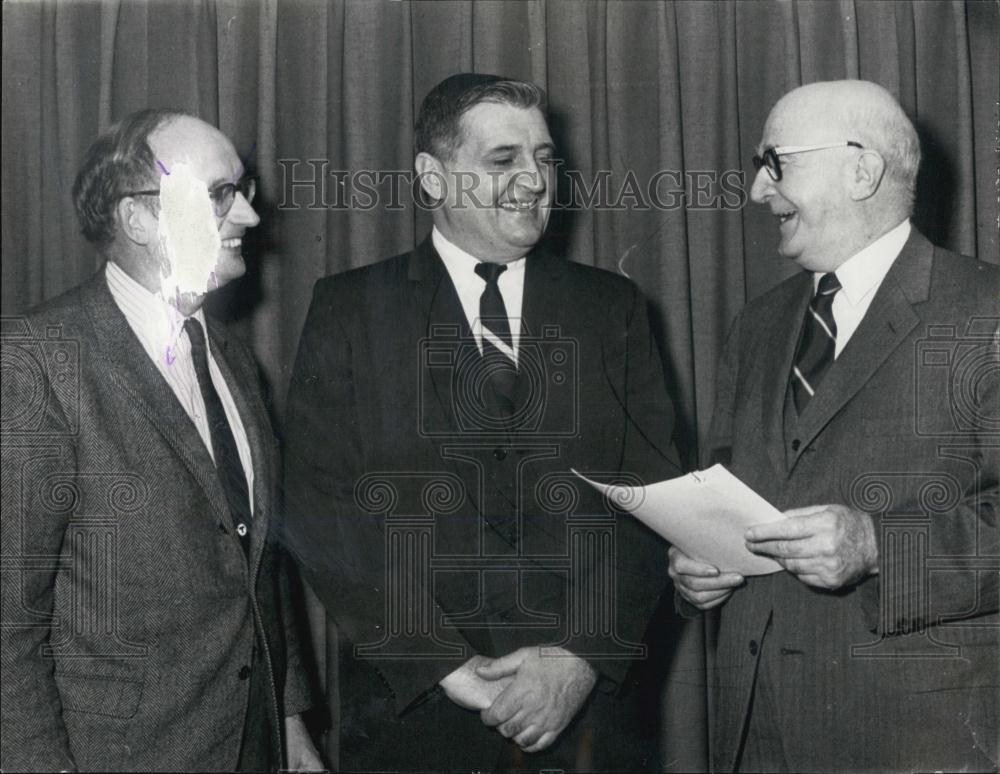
x,y
860,277
159,328
462,269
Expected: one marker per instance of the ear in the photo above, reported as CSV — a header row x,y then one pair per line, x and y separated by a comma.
x,y
134,220
867,176
430,172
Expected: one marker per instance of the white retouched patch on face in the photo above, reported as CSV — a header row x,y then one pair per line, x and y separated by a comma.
x,y
188,232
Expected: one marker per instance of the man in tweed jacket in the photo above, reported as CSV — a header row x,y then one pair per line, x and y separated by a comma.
x,y
146,619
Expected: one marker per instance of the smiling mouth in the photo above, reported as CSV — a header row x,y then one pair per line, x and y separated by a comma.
x,y
519,206
232,243
784,217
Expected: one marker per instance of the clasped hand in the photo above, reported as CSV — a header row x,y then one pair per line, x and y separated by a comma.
x,y
526,696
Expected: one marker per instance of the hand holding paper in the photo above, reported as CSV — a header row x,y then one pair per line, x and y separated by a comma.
x,y
705,514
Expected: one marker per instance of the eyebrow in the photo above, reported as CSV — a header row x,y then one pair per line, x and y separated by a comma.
x,y
515,148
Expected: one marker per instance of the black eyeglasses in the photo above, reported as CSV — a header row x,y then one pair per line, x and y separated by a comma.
x,y
770,158
222,196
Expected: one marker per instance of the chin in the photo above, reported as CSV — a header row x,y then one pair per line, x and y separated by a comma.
x,y
229,269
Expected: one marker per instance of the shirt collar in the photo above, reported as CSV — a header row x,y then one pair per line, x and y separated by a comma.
x,y
464,264
150,315
863,272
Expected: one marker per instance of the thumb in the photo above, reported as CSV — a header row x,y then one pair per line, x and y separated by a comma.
x,y
499,667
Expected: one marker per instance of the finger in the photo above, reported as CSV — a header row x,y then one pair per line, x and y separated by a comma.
x,y
805,510
791,528
791,549
725,582
501,667
528,736
515,725
682,564
506,705
544,741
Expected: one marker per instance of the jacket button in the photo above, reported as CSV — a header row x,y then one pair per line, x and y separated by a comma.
x,y
796,444
241,529
500,453
244,672
753,647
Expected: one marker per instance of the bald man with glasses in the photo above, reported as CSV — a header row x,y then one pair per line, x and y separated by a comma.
x,y
860,398
147,623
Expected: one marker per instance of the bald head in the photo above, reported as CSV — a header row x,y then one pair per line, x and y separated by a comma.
x,y
861,111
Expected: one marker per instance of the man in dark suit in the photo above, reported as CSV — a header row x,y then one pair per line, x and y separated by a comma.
x,y
146,619
861,398
439,400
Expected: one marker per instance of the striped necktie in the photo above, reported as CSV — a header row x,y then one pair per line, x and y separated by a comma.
x,y
817,346
498,347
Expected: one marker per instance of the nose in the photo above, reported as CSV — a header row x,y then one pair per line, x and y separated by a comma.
x,y
533,178
242,212
763,186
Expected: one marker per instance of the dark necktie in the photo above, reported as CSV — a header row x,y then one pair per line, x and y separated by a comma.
x,y
227,457
498,358
817,346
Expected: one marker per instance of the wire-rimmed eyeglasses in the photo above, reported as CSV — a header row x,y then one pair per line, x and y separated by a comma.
x,y
770,158
222,195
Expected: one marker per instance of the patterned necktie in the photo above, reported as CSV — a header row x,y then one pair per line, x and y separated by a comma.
x,y
227,457
817,346
498,348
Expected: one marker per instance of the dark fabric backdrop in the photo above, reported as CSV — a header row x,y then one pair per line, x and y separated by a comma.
x,y
640,87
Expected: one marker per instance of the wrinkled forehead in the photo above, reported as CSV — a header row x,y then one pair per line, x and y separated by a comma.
x,y
804,119
497,124
206,150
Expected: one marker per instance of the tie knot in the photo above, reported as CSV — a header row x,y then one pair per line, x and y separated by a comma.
x,y
490,271
828,285
195,333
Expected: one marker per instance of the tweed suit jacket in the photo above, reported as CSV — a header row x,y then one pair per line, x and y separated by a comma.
x,y
375,400
130,610
898,672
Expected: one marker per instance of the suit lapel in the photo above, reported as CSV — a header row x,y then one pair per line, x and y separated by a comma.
x,y
438,308
775,364
887,323
541,311
130,370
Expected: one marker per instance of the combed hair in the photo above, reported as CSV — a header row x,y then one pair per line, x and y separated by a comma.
x,y
118,161
438,130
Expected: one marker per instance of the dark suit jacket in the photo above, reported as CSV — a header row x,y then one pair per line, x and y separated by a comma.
x,y
900,671
383,425
129,607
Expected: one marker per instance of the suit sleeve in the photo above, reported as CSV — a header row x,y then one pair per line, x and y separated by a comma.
x,y
33,734
897,601
341,549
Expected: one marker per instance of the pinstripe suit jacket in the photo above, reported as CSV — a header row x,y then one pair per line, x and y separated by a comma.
x,y
129,608
899,671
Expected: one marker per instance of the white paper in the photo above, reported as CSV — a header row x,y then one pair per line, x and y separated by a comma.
x,y
705,514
